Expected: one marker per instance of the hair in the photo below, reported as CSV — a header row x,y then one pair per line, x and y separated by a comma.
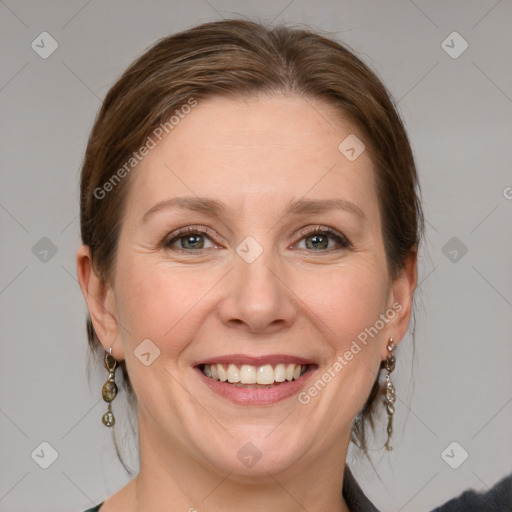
x,y
239,58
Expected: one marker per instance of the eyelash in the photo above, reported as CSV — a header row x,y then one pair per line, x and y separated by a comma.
x,y
341,240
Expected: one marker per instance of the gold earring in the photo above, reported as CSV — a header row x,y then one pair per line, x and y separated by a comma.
x,y
389,389
109,390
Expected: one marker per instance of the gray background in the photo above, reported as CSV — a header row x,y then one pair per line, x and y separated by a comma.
x,y
457,386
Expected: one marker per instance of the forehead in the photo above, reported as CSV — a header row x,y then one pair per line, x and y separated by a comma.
x,y
261,149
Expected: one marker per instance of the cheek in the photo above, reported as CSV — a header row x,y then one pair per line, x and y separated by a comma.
x,y
346,299
347,303
162,304
159,301
166,303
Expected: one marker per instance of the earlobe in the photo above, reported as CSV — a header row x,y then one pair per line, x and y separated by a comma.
x,y
99,299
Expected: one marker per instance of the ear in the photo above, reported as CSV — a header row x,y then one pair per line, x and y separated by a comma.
x,y
99,297
401,298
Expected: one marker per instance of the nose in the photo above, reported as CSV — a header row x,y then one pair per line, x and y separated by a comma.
x,y
258,299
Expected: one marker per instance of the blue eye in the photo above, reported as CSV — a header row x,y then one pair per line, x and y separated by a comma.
x,y
189,239
194,239
324,240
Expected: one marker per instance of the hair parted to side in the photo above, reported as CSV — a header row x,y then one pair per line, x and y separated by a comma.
x,y
242,58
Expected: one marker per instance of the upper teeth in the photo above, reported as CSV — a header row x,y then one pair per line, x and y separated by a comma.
x,y
248,374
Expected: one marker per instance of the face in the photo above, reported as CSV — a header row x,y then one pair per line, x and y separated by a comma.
x,y
250,241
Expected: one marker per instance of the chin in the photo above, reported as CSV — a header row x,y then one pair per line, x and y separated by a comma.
x,y
248,456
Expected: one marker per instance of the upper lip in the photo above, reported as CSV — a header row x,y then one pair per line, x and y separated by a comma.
x,y
240,359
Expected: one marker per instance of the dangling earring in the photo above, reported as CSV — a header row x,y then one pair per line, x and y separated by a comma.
x,y
389,390
109,390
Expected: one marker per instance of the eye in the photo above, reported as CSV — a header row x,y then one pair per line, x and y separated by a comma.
x,y
189,239
193,239
323,239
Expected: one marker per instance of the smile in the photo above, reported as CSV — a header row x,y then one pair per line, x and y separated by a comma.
x,y
256,381
266,375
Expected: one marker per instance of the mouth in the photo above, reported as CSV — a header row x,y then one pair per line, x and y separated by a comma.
x,y
254,377
255,381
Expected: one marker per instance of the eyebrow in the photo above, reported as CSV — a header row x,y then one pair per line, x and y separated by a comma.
x,y
215,208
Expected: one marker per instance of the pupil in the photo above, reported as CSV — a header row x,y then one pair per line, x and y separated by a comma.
x,y
192,242
318,242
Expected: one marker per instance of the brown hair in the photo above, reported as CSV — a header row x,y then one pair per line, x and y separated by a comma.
x,y
242,58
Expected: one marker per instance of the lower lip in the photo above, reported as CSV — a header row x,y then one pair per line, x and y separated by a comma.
x,y
256,396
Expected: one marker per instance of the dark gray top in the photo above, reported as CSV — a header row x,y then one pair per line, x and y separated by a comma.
x,y
498,499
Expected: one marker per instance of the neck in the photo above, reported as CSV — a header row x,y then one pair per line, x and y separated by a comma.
x,y
171,475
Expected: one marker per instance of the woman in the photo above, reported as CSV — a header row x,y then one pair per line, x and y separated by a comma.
x,y
250,224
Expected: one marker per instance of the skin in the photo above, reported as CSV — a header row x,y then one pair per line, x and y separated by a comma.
x,y
256,156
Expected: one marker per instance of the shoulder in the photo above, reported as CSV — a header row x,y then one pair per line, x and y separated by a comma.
x,y
94,509
497,499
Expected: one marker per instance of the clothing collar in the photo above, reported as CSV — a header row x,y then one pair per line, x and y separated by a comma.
x,y
354,496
